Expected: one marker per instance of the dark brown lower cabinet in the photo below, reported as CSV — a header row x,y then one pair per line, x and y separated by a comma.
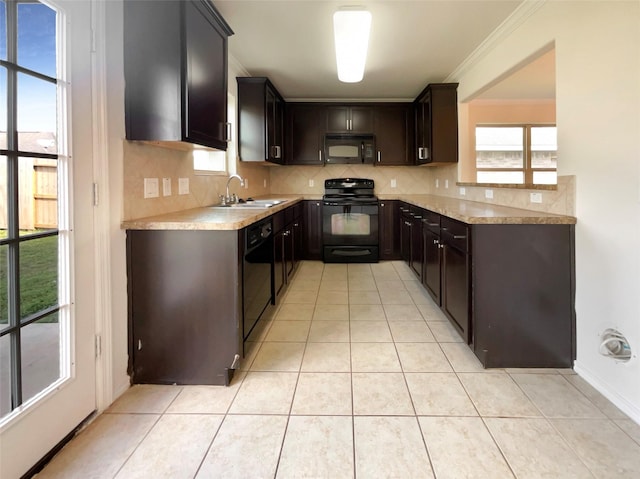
x,y
523,279
432,257
312,230
388,223
456,275
185,306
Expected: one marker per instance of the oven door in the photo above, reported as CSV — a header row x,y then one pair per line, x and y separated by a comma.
x,y
350,231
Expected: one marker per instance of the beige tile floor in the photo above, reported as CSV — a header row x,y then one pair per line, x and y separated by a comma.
x,y
359,374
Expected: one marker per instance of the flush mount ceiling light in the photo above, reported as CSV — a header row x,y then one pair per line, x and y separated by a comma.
x,y
351,28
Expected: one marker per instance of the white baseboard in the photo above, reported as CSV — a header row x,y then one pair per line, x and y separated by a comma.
x,y
631,410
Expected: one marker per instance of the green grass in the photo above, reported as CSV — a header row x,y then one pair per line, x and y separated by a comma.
x,y
38,277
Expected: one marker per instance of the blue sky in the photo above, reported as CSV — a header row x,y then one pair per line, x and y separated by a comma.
x,y
36,51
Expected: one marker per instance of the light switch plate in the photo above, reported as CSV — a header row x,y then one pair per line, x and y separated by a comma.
x,y
183,186
151,188
462,191
166,186
488,194
246,183
393,183
264,183
437,183
446,183
311,183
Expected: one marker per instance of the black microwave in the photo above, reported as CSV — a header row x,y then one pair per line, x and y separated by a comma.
x,y
349,148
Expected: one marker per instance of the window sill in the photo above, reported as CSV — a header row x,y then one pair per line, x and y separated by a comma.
x,y
516,186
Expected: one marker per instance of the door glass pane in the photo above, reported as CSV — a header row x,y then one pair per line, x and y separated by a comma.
x,y
36,115
5,375
38,275
544,147
499,147
40,348
3,30
3,108
4,206
38,194
37,38
501,177
350,224
4,287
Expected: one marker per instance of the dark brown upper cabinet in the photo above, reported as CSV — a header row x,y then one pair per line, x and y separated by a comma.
x,y
304,134
393,128
175,67
260,121
436,124
349,119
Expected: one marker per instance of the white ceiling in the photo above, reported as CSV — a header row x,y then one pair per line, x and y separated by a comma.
x,y
412,43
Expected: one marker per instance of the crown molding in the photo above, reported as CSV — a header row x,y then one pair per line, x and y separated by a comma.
x,y
508,26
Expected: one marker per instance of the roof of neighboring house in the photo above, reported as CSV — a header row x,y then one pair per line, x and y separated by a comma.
x,y
33,141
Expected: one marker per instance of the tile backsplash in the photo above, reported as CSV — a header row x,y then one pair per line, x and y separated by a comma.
x,y
145,160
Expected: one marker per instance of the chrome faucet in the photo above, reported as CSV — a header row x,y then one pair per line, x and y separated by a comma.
x,y
229,199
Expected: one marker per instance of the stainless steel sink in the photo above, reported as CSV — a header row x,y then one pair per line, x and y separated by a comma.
x,y
255,204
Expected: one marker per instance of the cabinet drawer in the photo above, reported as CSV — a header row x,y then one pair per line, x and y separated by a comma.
x,y
431,221
455,234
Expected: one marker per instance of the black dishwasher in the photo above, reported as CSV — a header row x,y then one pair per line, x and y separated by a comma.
x,y
256,273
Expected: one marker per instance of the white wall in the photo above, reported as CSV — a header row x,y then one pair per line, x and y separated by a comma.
x,y
598,117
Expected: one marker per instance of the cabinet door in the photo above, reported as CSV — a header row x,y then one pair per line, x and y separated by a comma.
x,y
206,78
392,127
278,265
405,235
455,289
289,251
389,232
361,119
431,263
338,119
313,230
274,120
416,242
423,129
304,134
350,118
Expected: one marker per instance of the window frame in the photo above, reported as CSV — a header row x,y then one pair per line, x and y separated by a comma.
x,y
527,170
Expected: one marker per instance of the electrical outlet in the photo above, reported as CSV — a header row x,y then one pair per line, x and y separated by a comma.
x,y
311,183
488,194
166,186
183,186
462,191
151,188
535,197
393,183
437,183
446,184
246,183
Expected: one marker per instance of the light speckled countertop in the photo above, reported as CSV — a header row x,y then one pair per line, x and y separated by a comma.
x,y
471,212
208,218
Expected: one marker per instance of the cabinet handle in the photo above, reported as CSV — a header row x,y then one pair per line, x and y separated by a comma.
x,y
382,205
426,222
418,217
407,223
379,155
435,241
320,156
139,344
459,236
441,246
